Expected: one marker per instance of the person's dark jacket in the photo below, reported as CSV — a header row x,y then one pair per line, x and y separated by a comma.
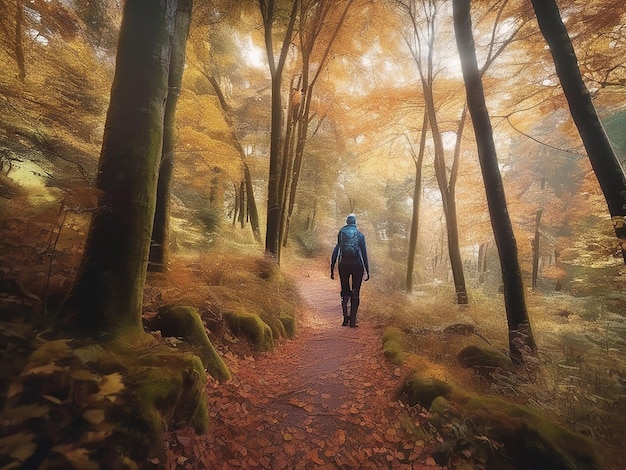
x,y
362,249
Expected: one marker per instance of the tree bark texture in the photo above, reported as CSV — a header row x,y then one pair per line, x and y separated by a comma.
x,y
521,339
107,294
603,159
160,243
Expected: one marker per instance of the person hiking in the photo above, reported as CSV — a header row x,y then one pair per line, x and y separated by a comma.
x,y
352,255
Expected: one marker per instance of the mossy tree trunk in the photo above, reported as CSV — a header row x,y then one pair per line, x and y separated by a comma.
x,y
160,244
107,294
521,339
603,159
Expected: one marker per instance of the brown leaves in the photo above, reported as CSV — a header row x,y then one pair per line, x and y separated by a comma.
x,y
304,406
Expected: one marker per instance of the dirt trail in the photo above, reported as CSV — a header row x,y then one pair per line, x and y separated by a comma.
x,y
322,400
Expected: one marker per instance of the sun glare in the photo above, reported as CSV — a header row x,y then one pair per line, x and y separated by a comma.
x,y
253,55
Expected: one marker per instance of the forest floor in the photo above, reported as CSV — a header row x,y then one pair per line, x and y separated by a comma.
x,y
326,399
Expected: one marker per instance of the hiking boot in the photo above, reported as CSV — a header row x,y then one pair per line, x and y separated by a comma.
x,y
346,320
344,305
354,306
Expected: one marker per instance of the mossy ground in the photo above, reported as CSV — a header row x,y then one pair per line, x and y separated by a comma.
x,y
516,434
85,404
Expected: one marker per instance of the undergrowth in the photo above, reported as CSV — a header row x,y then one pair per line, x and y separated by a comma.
x,y
581,379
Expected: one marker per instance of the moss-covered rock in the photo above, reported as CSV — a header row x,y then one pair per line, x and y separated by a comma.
x,y
185,322
532,439
424,390
115,399
480,358
171,390
252,327
393,345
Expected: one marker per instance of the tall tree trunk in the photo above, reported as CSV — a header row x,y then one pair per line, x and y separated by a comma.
x,y
107,294
287,163
521,339
417,198
605,164
452,223
272,235
446,187
160,243
18,44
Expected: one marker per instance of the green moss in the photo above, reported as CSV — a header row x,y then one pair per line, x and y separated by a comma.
x,y
439,405
185,322
277,327
252,327
424,390
289,323
167,390
474,356
530,438
394,345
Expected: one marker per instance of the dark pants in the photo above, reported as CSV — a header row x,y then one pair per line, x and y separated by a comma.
x,y
347,271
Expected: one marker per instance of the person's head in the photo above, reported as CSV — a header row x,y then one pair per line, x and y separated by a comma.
x,y
351,219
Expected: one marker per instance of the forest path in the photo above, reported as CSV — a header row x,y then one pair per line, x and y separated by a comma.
x,y
325,399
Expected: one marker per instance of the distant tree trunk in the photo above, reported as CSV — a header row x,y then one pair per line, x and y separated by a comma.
x,y
454,245
536,250
521,339
605,164
482,262
160,243
417,198
253,211
107,294
557,284
235,204
19,40
242,204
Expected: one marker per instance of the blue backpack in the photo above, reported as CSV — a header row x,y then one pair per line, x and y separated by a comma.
x,y
349,242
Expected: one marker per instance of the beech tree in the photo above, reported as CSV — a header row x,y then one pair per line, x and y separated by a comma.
x,y
424,19
520,334
107,294
270,14
160,242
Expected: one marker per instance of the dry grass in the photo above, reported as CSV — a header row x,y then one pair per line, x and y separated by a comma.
x,y
224,281
581,380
